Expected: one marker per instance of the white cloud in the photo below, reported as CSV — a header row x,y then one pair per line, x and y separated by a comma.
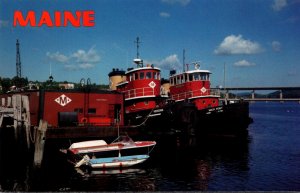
x,y
276,46
58,57
86,65
279,4
237,45
243,63
164,14
86,57
169,63
78,60
181,2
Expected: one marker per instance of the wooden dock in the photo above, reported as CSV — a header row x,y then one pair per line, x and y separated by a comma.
x,y
15,114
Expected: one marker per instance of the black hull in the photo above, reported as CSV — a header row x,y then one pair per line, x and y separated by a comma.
x,y
231,119
184,118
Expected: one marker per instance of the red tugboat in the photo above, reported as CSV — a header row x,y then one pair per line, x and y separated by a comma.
x,y
142,91
197,108
190,106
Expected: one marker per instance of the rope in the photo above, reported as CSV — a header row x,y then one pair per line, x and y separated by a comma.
x,y
135,126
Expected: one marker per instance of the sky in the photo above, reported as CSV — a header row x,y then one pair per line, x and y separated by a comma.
x,y
258,41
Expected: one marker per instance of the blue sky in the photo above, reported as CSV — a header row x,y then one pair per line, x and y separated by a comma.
x,y
258,40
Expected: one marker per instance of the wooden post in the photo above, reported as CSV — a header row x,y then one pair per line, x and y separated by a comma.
x,y
17,106
40,143
26,118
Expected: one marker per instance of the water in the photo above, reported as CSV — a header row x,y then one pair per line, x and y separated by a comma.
x,y
267,159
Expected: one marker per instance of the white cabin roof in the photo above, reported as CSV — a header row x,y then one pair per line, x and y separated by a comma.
x,y
192,72
142,68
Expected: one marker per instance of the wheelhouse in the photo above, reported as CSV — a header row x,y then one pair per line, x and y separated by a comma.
x,y
193,85
141,88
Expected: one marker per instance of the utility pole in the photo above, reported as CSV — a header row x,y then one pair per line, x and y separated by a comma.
x,y
18,60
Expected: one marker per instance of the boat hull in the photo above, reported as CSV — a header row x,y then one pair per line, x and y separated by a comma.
x,y
183,117
117,162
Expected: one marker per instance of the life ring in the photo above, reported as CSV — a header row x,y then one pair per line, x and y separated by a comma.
x,y
83,120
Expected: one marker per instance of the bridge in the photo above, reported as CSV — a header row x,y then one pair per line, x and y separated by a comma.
x,y
280,98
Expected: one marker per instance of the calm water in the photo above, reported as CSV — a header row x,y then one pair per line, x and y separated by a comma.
x,y
267,159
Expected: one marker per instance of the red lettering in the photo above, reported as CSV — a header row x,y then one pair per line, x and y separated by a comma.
x,y
19,19
45,19
69,17
57,18
80,18
88,18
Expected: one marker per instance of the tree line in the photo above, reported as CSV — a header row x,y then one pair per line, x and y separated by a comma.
x,y
19,84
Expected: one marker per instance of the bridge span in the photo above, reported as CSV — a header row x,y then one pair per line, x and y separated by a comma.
x,y
252,98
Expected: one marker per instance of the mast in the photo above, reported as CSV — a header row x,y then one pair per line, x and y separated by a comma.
x,y
18,60
224,81
138,61
137,47
183,60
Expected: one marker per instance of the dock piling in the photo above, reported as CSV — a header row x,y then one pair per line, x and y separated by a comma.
x,y
40,143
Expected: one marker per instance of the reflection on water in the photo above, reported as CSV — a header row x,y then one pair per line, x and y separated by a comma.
x,y
267,159
172,166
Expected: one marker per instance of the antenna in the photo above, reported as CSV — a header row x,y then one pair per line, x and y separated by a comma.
x,y
18,60
183,60
50,76
138,61
137,47
50,70
224,81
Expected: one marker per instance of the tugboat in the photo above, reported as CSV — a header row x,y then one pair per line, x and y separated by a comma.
x,y
142,91
197,109
185,103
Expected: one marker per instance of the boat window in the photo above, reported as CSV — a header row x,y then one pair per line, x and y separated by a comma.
x,y
155,75
148,75
204,76
175,82
196,76
136,76
190,77
158,76
183,78
130,77
92,111
142,75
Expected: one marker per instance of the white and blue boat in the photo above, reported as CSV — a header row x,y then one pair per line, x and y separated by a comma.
x,y
112,162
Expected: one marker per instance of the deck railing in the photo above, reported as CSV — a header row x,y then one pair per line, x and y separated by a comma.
x,y
139,92
195,93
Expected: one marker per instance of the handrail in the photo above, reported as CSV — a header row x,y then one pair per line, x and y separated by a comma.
x,y
195,93
139,92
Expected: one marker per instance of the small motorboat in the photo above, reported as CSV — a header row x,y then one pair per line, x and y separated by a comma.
x,y
97,153
97,146
112,162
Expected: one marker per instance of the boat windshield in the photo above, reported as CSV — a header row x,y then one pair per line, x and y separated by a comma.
x,y
123,139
